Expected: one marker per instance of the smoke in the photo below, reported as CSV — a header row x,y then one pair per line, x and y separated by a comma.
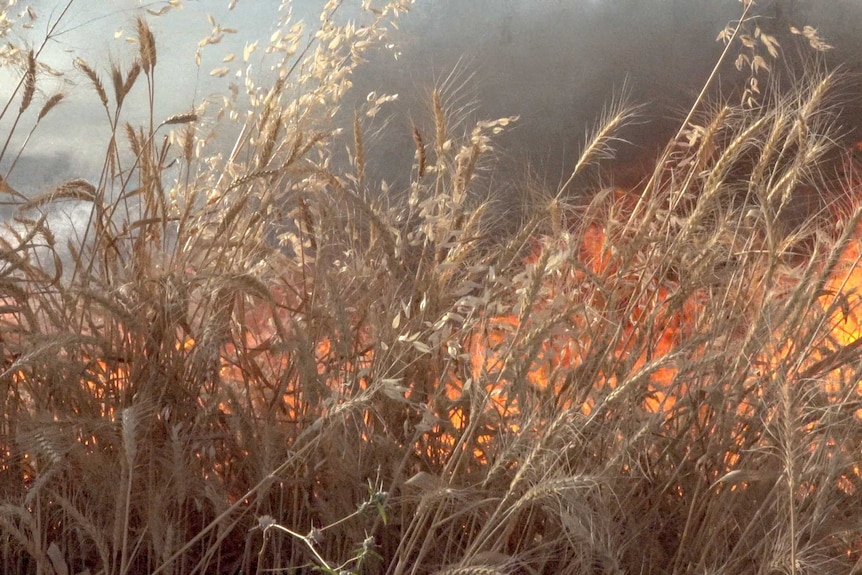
x,y
553,63
556,64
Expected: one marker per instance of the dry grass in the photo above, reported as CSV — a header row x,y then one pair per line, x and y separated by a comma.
x,y
269,362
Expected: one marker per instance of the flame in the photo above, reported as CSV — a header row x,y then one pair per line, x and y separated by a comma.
x,y
654,326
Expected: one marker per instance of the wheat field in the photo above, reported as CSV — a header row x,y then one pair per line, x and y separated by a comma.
x,y
261,359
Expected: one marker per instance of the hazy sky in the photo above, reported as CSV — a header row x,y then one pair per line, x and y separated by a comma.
x,y
98,31
553,62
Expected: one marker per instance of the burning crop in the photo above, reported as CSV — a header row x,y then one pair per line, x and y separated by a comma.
x,y
268,361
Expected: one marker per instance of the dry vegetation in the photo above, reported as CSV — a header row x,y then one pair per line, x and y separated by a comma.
x,y
268,363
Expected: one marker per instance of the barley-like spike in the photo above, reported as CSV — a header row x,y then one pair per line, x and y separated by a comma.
x,y
466,169
556,214
707,141
29,81
147,43
293,155
49,105
270,138
180,119
249,177
94,78
264,115
133,139
814,102
421,154
439,124
78,189
131,77
616,115
118,83
188,140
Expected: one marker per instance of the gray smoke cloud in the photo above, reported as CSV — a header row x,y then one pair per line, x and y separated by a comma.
x,y
554,63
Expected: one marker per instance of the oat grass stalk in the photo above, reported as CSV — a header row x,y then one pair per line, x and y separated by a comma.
x,y
274,344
